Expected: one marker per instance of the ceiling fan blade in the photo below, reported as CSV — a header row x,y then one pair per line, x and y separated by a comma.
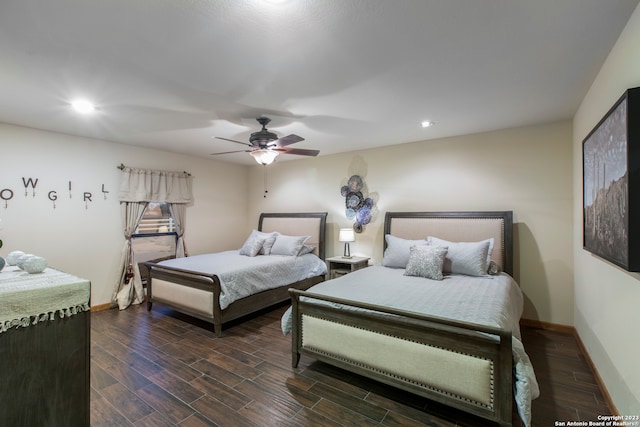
x,y
233,140
287,140
229,152
298,151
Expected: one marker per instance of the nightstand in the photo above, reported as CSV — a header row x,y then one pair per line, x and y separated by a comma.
x,y
339,266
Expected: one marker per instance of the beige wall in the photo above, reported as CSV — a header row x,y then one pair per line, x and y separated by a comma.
x,y
527,170
87,241
607,298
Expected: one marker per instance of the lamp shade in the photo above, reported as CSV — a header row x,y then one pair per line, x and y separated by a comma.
x,y
264,156
347,235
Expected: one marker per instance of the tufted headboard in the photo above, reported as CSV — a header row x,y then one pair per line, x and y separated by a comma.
x,y
298,224
458,227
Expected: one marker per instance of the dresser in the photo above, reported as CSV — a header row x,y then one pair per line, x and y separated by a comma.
x,y
44,349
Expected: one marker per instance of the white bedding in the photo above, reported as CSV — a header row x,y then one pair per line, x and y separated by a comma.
x,y
241,275
492,300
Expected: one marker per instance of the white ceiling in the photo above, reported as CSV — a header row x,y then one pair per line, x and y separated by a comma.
x,y
344,74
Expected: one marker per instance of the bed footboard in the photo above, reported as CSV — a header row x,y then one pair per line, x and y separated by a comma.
x,y
192,293
198,295
463,365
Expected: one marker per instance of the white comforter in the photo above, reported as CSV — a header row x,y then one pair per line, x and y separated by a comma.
x,y
492,300
241,275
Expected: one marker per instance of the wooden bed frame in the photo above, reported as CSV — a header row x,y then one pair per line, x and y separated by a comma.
x,y
326,333
195,286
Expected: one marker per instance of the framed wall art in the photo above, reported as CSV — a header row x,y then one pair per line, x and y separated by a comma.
x,y
611,184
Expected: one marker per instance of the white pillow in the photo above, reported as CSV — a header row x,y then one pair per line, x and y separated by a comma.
x,y
426,261
270,239
252,246
258,243
469,258
396,255
306,249
441,242
288,245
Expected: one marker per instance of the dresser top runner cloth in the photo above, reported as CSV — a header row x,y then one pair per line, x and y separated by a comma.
x,y
26,299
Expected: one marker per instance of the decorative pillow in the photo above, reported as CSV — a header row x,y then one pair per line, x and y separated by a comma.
x,y
288,245
252,246
270,239
396,255
426,261
469,258
441,242
306,249
265,240
494,269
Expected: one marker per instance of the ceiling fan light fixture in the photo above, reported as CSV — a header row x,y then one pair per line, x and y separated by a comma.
x,y
264,156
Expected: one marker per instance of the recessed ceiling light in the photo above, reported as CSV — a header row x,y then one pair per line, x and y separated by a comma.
x,y
427,124
83,106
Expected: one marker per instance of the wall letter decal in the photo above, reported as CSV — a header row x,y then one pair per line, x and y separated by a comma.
x,y
6,195
87,199
53,196
28,182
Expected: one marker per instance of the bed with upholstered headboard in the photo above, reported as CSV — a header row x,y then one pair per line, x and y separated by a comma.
x,y
439,317
287,250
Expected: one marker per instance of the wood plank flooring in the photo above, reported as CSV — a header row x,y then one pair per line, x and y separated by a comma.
x,y
166,369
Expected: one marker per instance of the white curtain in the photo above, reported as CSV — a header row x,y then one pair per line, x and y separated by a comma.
x,y
148,185
129,289
138,187
179,215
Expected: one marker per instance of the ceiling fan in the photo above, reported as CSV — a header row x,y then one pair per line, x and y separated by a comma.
x,y
265,146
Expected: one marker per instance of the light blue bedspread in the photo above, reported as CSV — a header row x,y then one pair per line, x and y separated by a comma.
x,y
241,275
492,300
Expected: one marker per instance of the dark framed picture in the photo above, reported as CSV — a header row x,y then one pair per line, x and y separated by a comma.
x,y
611,184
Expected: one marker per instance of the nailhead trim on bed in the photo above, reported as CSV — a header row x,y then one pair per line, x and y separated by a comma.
x,y
427,386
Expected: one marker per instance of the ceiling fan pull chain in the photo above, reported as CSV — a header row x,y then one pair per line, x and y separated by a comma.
x,y
264,167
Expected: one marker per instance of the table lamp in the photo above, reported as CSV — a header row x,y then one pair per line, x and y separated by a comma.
x,y
347,235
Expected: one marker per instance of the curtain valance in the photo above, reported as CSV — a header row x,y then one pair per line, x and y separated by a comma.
x,y
148,185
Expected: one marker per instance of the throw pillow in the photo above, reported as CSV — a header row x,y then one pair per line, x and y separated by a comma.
x,y
288,245
426,261
252,245
396,255
469,258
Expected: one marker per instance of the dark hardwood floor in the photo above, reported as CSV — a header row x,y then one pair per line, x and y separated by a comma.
x,y
165,369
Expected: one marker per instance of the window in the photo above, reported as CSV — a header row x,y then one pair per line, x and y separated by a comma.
x,y
156,219
156,235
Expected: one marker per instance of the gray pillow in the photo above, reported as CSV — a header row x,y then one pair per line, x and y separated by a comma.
x,y
257,240
426,261
469,258
270,239
396,255
306,249
252,245
288,245
494,269
441,242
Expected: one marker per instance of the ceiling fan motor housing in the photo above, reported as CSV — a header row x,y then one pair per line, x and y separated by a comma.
x,y
263,136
